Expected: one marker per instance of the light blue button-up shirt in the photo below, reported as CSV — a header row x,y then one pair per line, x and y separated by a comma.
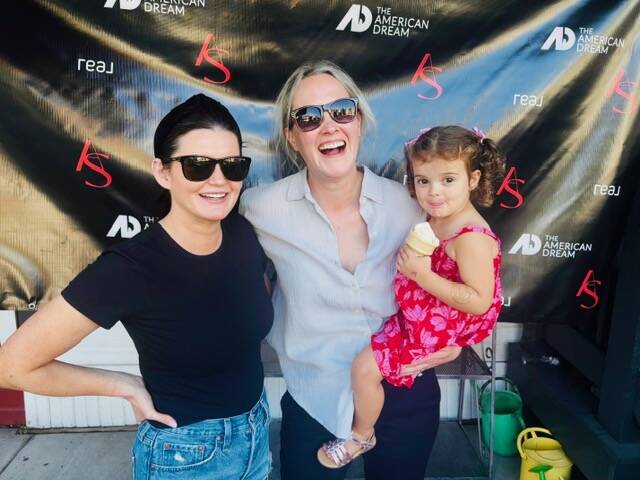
x,y
324,314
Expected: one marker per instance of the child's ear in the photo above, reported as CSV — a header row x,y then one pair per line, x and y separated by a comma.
x,y
474,179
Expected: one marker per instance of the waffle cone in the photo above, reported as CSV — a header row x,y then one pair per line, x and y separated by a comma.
x,y
415,242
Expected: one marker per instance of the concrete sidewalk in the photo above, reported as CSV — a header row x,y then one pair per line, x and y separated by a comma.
x,y
69,456
106,455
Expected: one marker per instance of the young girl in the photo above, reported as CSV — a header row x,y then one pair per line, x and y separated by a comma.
x,y
452,297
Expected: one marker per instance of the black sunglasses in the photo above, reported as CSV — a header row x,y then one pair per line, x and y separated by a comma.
x,y
197,168
308,118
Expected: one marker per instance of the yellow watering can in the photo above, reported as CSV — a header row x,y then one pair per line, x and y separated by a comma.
x,y
542,457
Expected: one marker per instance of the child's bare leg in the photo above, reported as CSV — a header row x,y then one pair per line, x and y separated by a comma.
x,y
368,393
368,398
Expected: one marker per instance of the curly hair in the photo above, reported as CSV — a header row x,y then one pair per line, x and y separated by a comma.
x,y
457,143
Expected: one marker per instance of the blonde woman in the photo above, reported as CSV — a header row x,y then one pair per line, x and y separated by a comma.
x,y
332,231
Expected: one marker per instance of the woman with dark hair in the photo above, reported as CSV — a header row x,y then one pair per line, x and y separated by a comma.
x,y
180,288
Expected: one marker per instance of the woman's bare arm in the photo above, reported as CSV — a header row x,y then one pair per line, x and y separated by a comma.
x,y
27,362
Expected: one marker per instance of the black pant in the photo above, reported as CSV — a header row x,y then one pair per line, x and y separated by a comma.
x,y
405,432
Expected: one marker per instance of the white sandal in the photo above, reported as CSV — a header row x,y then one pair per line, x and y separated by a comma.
x,y
334,454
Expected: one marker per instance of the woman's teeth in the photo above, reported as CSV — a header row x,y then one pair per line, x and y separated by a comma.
x,y
330,147
213,195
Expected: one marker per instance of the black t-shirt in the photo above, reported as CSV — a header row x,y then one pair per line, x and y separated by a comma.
x,y
196,320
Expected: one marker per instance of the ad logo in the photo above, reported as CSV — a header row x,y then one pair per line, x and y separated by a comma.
x,y
88,159
431,81
126,226
510,185
588,287
204,55
563,38
625,94
124,4
528,243
360,18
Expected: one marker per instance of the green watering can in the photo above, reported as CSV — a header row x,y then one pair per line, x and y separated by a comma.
x,y
508,421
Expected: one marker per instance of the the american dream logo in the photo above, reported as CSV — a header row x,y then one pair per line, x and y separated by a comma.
x,y
564,38
553,246
360,18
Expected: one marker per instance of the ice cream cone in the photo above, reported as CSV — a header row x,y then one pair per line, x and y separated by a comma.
x,y
422,239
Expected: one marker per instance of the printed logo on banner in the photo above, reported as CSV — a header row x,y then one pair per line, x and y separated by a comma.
x,y
127,226
528,100
100,66
89,160
204,54
360,18
608,190
164,7
510,185
528,244
531,244
506,301
124,4
564,38
421,74
627,95
588,287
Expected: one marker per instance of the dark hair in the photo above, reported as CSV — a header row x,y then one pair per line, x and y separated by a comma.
x,y
457,143
197,112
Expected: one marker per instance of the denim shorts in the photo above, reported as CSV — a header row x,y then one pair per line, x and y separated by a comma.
x,y
231,448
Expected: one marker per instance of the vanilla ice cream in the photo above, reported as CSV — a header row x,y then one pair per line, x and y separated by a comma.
x,y
422,239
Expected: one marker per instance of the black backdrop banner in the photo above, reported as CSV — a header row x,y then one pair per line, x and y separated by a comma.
x,y
84,83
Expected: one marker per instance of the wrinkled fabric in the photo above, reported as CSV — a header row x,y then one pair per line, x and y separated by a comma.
x,y
425,324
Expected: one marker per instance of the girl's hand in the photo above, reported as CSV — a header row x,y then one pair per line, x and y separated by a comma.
x,y
444,355
410,263
142,404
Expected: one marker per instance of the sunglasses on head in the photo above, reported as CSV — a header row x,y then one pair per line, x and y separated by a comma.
x,y
197,168
343,110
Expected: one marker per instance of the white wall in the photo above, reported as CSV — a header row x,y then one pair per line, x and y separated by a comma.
x,y
7,324
114,350
109,349
103,349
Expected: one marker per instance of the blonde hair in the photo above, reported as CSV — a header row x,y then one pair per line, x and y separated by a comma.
x,y
285,97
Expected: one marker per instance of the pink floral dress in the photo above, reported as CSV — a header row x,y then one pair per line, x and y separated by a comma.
x,y
425,324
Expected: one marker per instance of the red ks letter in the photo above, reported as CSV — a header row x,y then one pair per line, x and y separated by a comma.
x,y
588,286
204,55
506,185
85,159
420,74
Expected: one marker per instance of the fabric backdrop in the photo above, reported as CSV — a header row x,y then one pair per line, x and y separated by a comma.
x,y
84,83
